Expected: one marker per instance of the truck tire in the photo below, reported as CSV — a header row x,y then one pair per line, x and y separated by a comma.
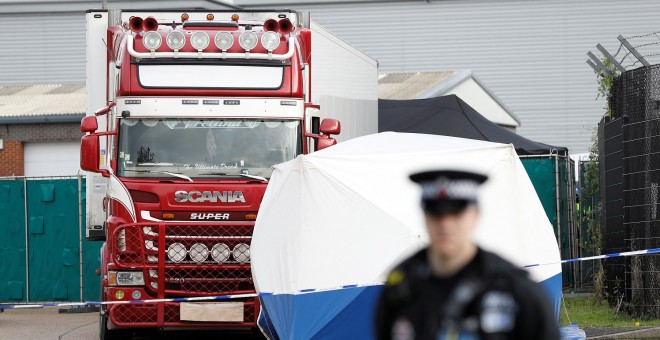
x,y
115,334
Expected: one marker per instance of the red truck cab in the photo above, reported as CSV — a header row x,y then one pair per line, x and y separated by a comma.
x,y
199,107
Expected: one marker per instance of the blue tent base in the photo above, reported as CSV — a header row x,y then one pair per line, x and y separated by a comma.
x,y
552,286
340,314
336,314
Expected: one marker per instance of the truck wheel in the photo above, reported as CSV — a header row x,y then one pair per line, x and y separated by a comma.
x,y
115,334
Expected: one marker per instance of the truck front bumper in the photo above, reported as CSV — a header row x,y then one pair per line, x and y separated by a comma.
x,y
168,314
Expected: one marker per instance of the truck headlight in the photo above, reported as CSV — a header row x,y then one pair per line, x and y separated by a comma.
x,y
241,253
199,252
176,252
199,40
125,278
270,40
175,40
121,240
224,40
247,40
151,40
220,252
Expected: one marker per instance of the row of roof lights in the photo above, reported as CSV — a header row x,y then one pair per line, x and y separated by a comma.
x,y
223,40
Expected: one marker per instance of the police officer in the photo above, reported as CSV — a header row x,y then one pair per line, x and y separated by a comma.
x,y
453,289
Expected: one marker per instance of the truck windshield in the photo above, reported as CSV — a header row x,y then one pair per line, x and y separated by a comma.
x,y
205,148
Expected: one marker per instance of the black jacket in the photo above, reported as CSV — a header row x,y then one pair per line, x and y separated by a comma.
x,y
488,299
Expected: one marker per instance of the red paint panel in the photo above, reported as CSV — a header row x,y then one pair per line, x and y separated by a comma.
x,y
252,192
132,87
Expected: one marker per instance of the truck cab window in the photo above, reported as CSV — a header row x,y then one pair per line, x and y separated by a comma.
x,y
201,148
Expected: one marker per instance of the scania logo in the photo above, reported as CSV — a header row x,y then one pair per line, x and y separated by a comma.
x,y
209,196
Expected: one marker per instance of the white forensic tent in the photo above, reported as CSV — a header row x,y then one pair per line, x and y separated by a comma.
x,y
345,215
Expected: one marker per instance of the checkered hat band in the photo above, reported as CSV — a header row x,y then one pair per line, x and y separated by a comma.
x,y
451,190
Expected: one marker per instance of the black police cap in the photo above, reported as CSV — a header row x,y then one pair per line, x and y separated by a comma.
x,y
448,191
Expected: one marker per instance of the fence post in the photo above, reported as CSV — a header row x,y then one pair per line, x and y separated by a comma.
x,y
80,241
570,197
27,244
557,201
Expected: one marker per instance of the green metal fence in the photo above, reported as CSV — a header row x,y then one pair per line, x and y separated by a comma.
x,y
45,255
553,178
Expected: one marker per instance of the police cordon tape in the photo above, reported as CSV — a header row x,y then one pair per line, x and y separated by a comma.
x,y
303,291
598,257
181,299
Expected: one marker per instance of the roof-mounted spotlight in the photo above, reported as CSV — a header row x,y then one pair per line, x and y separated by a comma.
x,y
248,40
151,41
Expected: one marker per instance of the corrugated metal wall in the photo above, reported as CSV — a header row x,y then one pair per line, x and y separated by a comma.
x,y
39,48
43,42
531,54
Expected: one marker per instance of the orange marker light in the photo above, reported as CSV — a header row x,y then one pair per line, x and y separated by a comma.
x,y
251,217
168,216
112,278
209,16
234,17
185,17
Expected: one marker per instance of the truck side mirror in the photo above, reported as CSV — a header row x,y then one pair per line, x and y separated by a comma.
x,y
328,127
89,154
89,124
324,142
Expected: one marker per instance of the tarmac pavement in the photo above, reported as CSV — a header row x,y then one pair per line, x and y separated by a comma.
x,y
623,333
48,323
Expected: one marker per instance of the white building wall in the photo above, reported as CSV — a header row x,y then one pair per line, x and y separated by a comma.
x,y
43,41
530,54
478,98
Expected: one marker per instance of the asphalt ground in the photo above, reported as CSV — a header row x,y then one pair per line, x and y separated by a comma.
x,y
623,333
48,323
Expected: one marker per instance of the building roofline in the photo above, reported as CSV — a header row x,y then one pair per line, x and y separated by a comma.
x,y
69,118
82,6
457,79
497,100
446,85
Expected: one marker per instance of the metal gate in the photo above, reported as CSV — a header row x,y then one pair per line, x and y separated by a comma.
x,y
553,178
44,253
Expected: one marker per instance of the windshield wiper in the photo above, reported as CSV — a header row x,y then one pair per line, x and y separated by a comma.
x,y
259,178
255,177
182,176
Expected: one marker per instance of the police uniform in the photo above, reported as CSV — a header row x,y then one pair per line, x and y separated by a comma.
x,y
489,298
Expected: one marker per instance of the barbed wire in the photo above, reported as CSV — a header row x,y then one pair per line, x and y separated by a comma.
x,y
646,45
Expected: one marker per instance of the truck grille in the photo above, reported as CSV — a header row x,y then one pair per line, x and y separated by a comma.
x,y
148,315
188,259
